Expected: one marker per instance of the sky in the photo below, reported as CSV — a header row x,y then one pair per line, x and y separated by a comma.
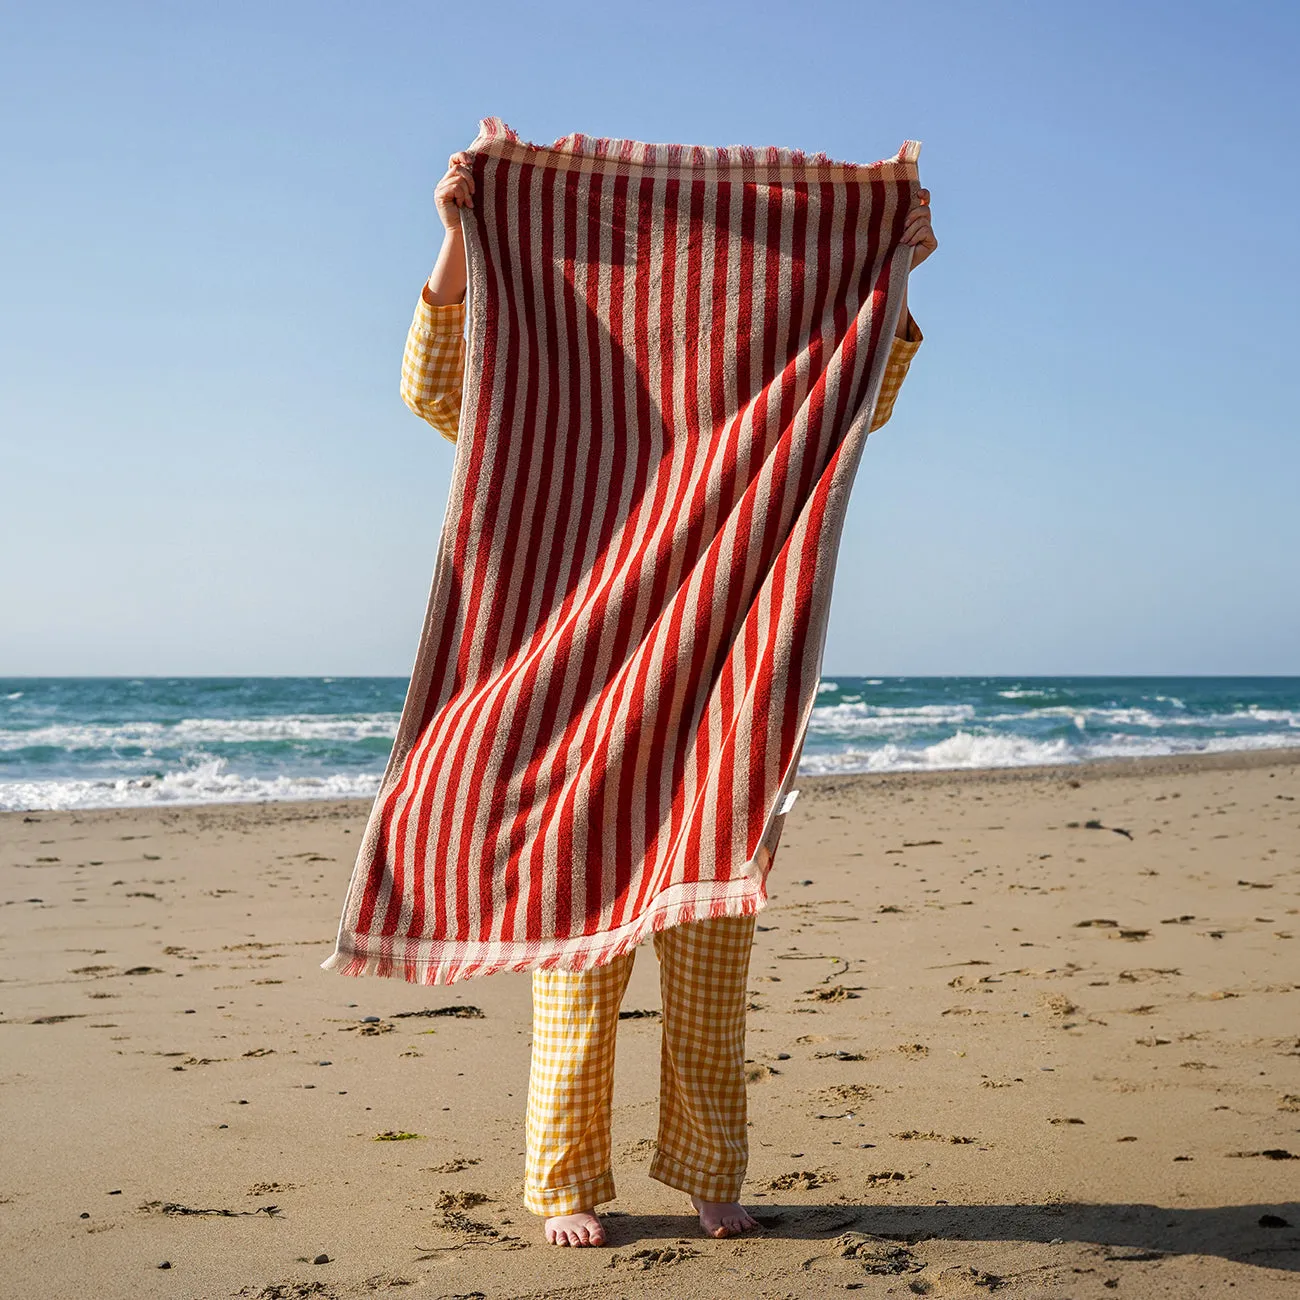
x,y
217,218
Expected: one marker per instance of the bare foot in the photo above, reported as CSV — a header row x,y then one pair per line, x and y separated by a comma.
x,y
580,1229
723,1218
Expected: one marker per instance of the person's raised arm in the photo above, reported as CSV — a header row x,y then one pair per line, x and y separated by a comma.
x,y
433,363
454,191
919,234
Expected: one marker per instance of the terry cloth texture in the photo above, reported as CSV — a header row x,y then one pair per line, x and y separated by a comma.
x,y
673,357
703,1145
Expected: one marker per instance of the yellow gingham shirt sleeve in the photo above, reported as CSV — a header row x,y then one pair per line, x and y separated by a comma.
x,y
901,352
433,365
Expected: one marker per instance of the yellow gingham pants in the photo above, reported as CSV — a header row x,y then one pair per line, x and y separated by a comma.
x,y
703,1146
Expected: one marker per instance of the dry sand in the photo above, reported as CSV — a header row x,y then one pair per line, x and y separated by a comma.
x,y
1032,1032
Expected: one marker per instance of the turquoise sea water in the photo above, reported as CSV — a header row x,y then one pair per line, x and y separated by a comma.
x,y
104,742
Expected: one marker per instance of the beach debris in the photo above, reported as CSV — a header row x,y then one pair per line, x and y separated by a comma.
x,y
886,1176
641,1013
456,1013
174,1208
288,1291
847,1092
322,1258
1096,922
915,1135
396,1135
835,993
1271,1153
1255,884
452,1206
841,1056
1071,1119
876,1254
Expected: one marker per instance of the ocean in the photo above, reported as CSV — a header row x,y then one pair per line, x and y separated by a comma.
x,y
77,742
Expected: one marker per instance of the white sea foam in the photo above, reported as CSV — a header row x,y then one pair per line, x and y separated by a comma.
x,y
1290,716
849,719
209,782
965,750
960,751
199,731
14,695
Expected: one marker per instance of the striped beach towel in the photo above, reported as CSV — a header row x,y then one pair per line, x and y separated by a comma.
x,y
673,357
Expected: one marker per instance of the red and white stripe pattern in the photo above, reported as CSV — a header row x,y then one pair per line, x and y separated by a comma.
x,y
673,357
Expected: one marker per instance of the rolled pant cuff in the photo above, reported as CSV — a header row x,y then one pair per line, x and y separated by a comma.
x,y
708,1187
550,1201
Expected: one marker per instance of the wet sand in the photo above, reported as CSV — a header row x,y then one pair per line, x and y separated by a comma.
x,y
1034,1032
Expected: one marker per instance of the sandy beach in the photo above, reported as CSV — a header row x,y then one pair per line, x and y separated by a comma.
x,y
1030,1031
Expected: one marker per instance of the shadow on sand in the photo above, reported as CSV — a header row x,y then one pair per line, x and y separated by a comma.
x,y
1265,1235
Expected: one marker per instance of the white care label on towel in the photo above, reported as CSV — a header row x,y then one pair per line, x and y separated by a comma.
x,y
787,803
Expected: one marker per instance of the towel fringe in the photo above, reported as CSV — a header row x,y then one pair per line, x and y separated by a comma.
x,y
580,953
496,136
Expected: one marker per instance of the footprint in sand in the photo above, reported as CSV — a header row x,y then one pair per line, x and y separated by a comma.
x,y
801,1180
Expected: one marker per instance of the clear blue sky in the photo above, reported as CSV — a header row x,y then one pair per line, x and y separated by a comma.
x,y
216,219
